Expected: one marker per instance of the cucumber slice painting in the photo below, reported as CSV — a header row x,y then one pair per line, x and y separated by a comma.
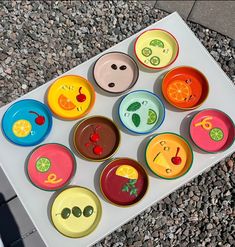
x,y
157,42
155,60
146,52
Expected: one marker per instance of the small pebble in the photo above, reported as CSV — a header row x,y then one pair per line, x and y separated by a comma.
x,y
24,86
231,63
232,43
209,226
230,164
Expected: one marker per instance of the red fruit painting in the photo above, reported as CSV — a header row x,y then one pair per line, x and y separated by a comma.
x,y
40,120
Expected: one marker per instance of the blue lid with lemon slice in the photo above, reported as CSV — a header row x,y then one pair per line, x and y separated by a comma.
x,y
27,122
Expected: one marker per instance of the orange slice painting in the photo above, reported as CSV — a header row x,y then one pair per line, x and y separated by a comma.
x,y
179,91
65,103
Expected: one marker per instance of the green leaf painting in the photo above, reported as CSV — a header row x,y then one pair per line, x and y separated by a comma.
x,y
133,192
134,106
125,188
132,181
136,119
130,187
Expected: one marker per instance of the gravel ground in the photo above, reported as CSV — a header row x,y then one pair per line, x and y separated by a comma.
x,y
41,40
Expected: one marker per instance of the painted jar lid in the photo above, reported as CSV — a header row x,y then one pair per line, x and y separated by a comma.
x,y
141,112
27,122
51,166
76,212
116,72
156,49
71,97
169,155
96,138
212,130
124,182
185,87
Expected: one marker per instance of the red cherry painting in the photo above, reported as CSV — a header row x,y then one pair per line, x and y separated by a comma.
x,y
94,138
98,150
80,97
40,120
176,160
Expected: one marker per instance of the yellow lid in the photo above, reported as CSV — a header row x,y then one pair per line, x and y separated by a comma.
x,y
71,97
156,48
76,212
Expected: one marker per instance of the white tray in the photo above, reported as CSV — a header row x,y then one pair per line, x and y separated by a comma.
x,y
35,201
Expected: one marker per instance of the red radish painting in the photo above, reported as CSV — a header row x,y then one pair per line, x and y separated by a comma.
x,y
40,120
80,97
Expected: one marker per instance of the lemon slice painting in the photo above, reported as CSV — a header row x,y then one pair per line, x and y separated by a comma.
x,y
21,128
127,171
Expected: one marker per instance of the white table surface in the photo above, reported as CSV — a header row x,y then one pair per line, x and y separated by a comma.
x,y
35,201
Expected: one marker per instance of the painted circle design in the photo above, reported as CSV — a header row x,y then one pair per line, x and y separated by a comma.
x,y
71,97
146,52
27,122
141,111
21,128
155,60
76,212
168,155
216,134
51,166
212,130
178,91
124,182
43,164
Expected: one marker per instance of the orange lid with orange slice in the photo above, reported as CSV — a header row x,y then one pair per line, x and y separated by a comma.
x,y
185,87
71,97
